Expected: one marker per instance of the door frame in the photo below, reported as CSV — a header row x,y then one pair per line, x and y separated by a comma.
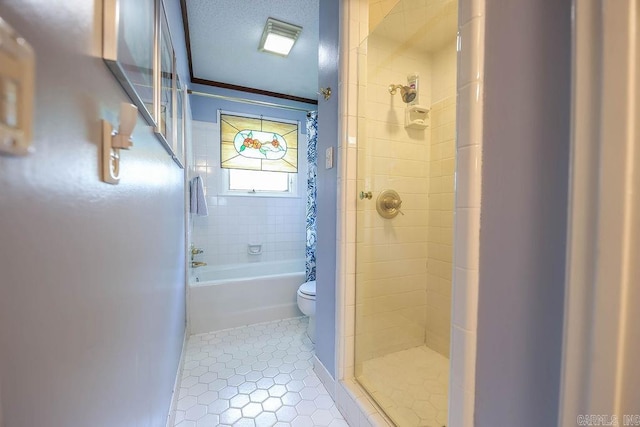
x,y
597,374
350,397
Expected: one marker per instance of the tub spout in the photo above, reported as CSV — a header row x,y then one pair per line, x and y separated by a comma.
x,y
196,264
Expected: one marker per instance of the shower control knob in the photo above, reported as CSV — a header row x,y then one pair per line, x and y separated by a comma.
x,y
388,204
392,204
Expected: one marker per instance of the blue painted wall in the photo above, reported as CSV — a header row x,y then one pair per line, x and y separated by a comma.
x,y
524,212
92,290
327,186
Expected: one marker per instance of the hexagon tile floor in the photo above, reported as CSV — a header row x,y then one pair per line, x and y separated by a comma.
x,y
410,385
257,375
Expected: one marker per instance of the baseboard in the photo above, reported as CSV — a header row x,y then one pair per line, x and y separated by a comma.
x,y
171,417
324,376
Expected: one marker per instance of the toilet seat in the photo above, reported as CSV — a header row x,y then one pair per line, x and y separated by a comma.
x,y
308,290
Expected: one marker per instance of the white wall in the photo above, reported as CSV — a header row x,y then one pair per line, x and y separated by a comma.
x,y
278,223
525,169
91,275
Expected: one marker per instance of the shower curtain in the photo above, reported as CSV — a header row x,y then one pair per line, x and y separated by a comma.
x,y
312,165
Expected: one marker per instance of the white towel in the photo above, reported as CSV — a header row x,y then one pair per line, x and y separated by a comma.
x,y
193,199
198,201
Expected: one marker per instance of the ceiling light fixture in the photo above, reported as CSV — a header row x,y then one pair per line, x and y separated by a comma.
x,y
278,37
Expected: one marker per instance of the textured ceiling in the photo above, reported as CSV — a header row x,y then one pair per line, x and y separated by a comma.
x,y
224,44
424,24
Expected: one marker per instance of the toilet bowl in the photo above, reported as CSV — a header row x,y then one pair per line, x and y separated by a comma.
x,y
307,305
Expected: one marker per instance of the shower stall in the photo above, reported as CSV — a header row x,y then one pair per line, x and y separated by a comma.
x,y
404,219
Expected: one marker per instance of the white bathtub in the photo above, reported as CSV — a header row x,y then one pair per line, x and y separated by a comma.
x,y
231,296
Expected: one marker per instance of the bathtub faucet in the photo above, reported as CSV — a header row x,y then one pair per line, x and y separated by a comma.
x,y
196,264
195,251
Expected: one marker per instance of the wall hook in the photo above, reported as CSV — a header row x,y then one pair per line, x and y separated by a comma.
x,y
113,142
325,92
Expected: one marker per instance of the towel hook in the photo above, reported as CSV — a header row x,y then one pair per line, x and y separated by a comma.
x,y
114,141
325,92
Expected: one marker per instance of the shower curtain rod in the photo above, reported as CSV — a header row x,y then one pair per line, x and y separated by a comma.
x,y
249,101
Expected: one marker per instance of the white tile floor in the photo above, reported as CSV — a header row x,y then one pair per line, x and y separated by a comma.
x,y
410,385
258,375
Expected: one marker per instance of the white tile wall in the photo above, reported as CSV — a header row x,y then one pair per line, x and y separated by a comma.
x,y
471,66
470,110
441,198
471,23
391,254
353,403
444,72
235,221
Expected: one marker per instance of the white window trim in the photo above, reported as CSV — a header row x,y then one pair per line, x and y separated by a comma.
x,y
292,193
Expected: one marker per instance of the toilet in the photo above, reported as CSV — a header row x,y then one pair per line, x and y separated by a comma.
x,y
307,305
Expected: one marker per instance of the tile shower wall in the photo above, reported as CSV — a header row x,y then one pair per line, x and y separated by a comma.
x,y
391,253
469,86
236,221
441,199
378,9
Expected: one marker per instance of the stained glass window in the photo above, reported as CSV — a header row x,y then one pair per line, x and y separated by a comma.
x,y
258,144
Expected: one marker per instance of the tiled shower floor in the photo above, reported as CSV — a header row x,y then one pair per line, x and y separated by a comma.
x,y
258,375
410,385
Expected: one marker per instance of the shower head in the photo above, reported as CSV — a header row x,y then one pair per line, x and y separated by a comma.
x,y
407,93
